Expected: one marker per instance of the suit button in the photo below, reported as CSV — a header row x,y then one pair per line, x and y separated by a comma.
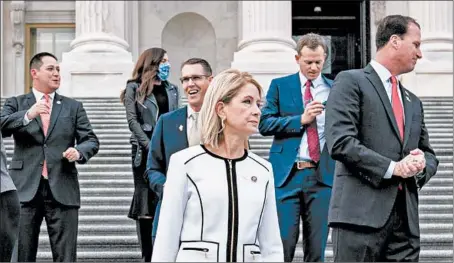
x,y
45,145
41,163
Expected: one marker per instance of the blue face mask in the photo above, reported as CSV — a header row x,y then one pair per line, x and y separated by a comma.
x,y
164,71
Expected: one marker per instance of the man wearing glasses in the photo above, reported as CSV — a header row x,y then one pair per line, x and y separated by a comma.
x,y
178,129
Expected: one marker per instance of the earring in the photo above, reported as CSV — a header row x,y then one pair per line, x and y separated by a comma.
x,y
222,125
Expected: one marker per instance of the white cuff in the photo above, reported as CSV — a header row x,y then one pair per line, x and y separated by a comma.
x,y
26,120
389,172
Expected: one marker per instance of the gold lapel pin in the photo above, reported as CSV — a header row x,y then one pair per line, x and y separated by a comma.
x,y
180,128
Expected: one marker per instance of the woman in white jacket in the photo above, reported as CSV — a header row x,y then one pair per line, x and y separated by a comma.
x,y
219,203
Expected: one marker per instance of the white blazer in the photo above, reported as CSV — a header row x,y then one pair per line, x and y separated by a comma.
x,y
215,209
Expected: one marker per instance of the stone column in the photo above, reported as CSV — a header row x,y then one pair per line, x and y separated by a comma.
x,y
433,74
266,48
99,62
17,13
1,49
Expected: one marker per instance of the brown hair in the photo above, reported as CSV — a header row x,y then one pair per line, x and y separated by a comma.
x,y
145,73
392,25
312,41
194,61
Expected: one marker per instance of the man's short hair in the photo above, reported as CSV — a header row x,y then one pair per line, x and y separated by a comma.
x,y
205,65
312,41
36,62
392,25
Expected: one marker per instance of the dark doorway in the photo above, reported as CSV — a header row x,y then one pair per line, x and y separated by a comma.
x,y
345,24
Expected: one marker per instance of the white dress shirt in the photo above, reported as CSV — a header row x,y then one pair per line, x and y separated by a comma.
x,y
39,96
320,92
189,122
385,75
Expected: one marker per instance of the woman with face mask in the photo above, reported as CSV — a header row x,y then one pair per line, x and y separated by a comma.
x,y
147,96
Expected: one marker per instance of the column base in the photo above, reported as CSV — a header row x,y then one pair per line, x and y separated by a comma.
x,y
95,74
99,42
266,65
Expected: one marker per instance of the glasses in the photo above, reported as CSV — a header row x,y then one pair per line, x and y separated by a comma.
x,y
195,78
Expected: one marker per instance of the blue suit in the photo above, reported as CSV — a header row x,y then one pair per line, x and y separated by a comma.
x,y
169,137
299,193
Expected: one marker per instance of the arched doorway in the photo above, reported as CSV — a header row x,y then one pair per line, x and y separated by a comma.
x,y
188,35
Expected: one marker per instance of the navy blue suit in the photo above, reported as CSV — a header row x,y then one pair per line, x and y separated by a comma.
x,y
299,193
169,137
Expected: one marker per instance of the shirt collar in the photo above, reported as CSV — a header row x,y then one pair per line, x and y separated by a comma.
x,y
190,111
39,95
315,83
383,73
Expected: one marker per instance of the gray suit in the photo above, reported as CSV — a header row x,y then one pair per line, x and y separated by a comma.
x,y
6,181
371,219
9,207
57,199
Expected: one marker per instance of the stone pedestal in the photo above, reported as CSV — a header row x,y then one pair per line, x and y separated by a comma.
x,y
433,73
99,62
266,48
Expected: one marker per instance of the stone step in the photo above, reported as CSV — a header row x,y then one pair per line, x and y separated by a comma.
x,y
133,255
83,240
107,234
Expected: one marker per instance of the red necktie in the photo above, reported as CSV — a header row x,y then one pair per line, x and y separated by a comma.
x,y
311,129
398,112
45,119
397,108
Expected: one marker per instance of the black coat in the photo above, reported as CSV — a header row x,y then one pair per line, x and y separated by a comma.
x,y
142,117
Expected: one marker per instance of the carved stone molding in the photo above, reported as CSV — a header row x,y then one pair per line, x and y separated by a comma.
x,y
378,8
17,19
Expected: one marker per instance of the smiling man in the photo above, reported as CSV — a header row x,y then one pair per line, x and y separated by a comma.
x,y
303,170
178,129
51,132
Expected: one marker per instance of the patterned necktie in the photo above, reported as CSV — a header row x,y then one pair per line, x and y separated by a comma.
x,y
311,129
397,108
45,119
194,135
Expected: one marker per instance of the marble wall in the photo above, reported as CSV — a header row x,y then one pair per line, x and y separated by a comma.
x,y
208,29
15,15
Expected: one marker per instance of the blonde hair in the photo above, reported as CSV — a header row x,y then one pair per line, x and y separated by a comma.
x,y
223,88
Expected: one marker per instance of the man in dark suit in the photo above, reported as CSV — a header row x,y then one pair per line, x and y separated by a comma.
x,y
177,130
376,133
9,207
45,127
303,170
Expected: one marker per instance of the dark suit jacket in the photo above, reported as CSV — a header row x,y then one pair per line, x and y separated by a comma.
x,y
281,117
68,124
362,136
169,137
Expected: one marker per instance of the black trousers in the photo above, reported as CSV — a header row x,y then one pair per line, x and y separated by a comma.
x,y
144,227
62,223
392,242
9,223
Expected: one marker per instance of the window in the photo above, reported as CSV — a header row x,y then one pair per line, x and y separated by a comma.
x,y
52,38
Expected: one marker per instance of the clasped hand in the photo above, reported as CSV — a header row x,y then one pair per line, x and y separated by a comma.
x,y
411,165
